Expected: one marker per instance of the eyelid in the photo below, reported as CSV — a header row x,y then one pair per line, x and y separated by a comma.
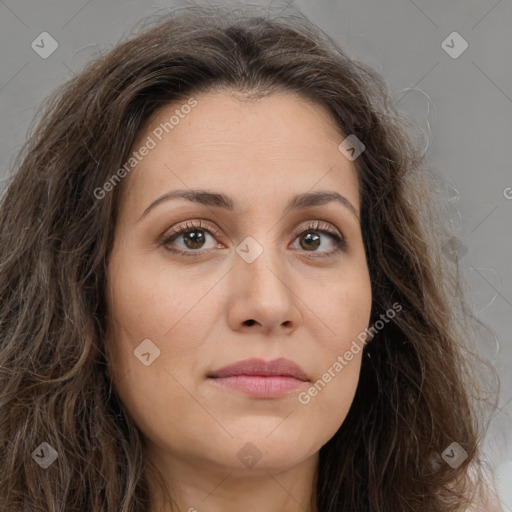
x,y
200,224
191,225
318,225
324,227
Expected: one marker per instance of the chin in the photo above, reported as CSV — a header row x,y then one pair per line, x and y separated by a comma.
x,y
266,450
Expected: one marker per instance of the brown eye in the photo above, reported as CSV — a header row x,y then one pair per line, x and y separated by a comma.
x,y
314,237
310,241
194,239
193,236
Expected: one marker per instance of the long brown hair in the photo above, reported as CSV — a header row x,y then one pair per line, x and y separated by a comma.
x,y
416,391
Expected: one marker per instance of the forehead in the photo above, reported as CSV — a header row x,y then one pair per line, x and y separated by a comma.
x,y
217,117
282,141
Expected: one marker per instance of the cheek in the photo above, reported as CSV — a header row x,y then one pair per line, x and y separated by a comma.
x,y
344,308
160,305
154,302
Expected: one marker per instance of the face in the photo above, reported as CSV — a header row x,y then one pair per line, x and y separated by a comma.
x,y
197,286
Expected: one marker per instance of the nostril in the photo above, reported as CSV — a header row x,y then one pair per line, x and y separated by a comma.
x,y
249,322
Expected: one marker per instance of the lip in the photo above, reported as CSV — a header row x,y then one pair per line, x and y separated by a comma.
x,y
259,378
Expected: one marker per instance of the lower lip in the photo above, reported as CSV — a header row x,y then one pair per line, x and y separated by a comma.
x,y
260,386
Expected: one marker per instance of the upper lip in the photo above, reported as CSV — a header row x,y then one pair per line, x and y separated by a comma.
x,y
278,367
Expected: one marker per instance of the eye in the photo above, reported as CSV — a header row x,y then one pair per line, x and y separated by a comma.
x,y
311,237
194,234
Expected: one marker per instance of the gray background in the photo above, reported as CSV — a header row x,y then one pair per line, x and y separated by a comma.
x,y
464,105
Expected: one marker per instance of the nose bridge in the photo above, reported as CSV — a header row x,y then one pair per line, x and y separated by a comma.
x,y
261,289
262,271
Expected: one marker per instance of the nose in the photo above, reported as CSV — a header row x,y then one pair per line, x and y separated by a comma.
x,y
262,297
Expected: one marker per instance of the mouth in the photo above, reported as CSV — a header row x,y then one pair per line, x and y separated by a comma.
x,y
259,378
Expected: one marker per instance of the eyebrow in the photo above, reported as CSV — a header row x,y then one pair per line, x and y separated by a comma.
x,y
219,200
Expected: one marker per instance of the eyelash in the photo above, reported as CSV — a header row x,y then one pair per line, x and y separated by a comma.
x,y
318,226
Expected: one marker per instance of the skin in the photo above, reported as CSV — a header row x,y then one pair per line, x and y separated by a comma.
x,y
195,309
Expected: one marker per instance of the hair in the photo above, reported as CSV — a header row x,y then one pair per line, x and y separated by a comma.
x,y
417,391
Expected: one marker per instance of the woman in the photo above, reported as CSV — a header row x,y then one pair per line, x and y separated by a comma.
x,y
219,290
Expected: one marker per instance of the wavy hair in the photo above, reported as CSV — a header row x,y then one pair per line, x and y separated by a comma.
x,y
417,391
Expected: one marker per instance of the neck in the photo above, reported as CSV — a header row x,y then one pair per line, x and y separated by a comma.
x,y
197,486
